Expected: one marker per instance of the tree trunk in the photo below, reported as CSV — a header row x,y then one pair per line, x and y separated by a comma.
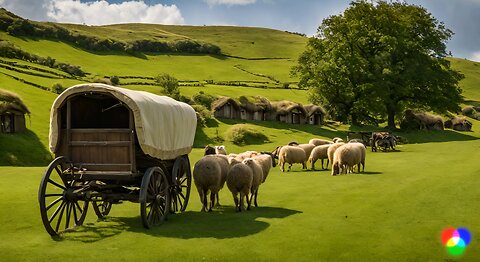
x,y
391,118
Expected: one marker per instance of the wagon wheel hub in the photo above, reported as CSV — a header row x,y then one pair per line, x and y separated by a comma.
x,y
69,195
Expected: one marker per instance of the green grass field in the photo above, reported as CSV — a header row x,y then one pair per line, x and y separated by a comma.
x,y
395,211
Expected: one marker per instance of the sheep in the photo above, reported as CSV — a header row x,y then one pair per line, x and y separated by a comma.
x,y
209,150
358,140
293,143
307,148
257,173
246,154
331,150
337,140
459,124
207,176
220,150
318,141
319,152
347,156
266,161
386,142
239,180
291,155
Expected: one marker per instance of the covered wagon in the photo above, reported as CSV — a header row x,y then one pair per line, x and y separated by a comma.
x,y
113,144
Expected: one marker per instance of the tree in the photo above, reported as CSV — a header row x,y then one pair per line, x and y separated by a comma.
x,y
374,60
169,85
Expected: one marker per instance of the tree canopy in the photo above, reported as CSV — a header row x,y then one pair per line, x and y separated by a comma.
x,y
376,59
169,85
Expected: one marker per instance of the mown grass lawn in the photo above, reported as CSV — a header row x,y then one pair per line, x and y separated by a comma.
x,y
395,211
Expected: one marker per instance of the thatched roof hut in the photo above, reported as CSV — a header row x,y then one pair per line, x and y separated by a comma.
x,y
12,113
289,112
254,108
315,114
421,120
226,107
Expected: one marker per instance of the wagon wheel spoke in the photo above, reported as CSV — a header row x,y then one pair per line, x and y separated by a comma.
x,y
54,202
60,217
56,184
69,212
56,212
153,192
75,217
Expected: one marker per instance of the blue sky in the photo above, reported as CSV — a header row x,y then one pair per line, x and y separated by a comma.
x,y
304,16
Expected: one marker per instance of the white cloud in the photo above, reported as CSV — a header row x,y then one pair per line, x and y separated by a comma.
x,y
230,2
475,56
102,12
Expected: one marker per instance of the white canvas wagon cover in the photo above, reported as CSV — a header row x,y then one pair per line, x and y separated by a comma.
x,y
165,128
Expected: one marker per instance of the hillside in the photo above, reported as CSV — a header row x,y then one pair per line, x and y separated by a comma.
x,y
253,61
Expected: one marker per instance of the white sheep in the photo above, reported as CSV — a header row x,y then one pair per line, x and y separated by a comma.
x,y
318,141
239,180
337,140
266,161
347,156
319,152
224,166
220,150
257,177
307,148
207,176
331,150
246,154
291,155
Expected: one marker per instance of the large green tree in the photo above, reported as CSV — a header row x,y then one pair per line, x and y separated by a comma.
x,y
377,58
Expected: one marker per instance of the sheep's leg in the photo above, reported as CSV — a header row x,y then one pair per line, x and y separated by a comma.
x,y
256,193
212,201
235,199
242,196
203,197
322,163
282,167
289,166
249,201
313,164
217,205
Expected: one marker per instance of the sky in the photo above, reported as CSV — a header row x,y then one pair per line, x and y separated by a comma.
x,y
303,16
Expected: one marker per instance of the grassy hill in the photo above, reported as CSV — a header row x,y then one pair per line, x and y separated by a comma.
x,y
394,211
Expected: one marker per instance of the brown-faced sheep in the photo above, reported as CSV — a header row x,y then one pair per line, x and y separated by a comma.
x,y
331,150
209,150
266,161
239,180
319,152
207,176
291,155
257,173
347,156
318,141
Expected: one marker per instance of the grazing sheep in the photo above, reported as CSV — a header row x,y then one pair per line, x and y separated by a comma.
x,y
209,150
257,173
220,150
266,161
307,148
239,180
291,155
347,156
224,166
318,141
331,150
385,143
379,136
358,140
337,140
319,152
246,154
207,176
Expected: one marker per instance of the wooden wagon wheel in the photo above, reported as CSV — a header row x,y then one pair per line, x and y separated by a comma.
x,y
154,197
181,183
101,208
60,206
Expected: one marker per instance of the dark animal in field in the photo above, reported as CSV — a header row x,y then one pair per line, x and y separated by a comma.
x,y
383,140
209,150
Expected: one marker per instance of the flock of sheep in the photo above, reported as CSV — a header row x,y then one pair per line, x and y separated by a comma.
x,y
245,172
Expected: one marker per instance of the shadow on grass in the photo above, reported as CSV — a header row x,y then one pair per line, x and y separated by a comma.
x,y
369,173
23,149
220,224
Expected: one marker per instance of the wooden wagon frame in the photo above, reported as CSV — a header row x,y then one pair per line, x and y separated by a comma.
x,y
113,144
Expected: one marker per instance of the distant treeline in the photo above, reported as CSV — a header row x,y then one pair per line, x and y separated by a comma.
x,y
8,50
18,26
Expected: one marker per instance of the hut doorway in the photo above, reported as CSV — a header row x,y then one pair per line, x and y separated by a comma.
x,y
8,123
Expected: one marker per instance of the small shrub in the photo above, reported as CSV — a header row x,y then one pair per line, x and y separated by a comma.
x,y
102,80
57,88
203,99
115,80
169,85
242,134
203,115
